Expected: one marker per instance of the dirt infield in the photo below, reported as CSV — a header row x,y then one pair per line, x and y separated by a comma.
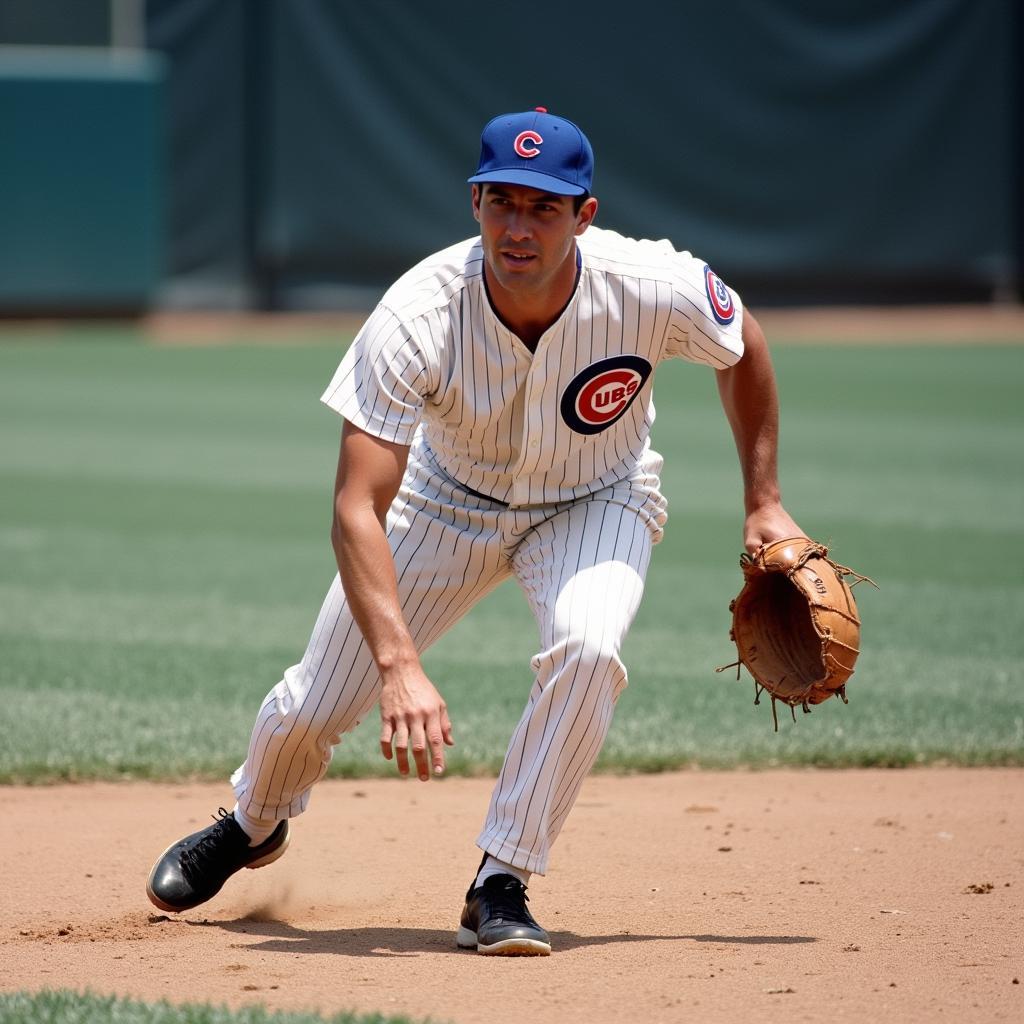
x,y
766,896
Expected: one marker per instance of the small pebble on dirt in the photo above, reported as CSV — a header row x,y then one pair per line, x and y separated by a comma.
x,y
979,888
724,849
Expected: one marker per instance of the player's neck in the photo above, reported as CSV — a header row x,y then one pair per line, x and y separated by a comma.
x,y
528,314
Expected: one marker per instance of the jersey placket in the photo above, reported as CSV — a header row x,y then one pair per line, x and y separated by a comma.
x,y
539,437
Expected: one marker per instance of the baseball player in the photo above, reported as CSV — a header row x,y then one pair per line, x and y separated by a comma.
x,y
497,409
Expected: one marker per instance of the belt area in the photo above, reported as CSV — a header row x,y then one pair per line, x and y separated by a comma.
x,y
481,495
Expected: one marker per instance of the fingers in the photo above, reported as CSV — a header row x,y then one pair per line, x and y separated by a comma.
x,y
422,726
402,748
435,738
427,740
428,746
397,735
439,736
401,737
418,736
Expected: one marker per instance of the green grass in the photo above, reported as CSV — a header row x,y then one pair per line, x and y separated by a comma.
x,y
164,549
64,1007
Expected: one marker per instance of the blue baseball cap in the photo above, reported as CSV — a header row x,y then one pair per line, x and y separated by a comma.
x,y
538,150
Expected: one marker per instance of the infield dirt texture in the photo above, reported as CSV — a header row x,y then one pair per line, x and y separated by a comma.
x,y
703,896
163,536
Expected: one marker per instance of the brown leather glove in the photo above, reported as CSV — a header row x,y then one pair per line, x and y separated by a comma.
x,y
795,623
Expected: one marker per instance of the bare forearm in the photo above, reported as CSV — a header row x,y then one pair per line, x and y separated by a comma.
x,y
750,401
414,717
368,576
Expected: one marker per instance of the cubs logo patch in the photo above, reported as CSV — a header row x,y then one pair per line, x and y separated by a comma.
x,y
722,307
600,394
522,144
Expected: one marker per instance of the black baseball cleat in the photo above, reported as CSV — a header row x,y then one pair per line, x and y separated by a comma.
x,y
193,870
496,922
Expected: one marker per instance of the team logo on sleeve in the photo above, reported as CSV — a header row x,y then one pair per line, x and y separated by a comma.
x,y
601,393
522,144
722,307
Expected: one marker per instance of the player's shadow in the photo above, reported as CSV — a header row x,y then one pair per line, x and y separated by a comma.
x,y
398,941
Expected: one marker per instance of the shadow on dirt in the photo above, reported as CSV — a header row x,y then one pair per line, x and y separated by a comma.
x,y
398,941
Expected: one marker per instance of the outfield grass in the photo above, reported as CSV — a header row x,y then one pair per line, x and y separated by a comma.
x,y
63,1007
164,548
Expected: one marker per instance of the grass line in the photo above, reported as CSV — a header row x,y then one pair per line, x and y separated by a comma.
x,y
60,1006
164,551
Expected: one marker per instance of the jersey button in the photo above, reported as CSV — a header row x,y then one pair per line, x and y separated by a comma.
x,y
533,444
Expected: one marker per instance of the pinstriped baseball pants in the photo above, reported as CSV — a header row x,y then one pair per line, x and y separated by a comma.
x,y
581,566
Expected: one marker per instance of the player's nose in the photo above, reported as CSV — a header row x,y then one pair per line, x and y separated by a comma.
x,y
518,227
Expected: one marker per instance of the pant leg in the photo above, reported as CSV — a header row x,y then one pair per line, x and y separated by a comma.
x,y
447,553
583,573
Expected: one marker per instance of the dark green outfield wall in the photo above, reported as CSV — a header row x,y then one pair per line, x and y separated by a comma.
x,y
82,163
313,149
794,144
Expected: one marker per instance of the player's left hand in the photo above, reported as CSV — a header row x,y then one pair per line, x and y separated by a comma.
x,y
767,523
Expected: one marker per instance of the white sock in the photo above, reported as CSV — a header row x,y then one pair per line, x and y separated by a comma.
x,y
493,866
257,829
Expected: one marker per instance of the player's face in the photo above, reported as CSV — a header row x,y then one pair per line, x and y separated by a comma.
x,y
528,235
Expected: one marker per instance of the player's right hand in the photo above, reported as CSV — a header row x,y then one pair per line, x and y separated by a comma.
x,y
414,716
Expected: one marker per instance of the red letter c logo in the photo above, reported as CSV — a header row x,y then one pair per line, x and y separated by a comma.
x,y
523,149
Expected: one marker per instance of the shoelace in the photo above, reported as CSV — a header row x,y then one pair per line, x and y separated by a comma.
x,y
509,901
193,861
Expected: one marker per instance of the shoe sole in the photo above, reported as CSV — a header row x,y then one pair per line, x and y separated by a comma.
x,y
267,858
466,939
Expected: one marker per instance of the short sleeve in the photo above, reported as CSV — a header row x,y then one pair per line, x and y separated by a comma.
x,y
380,383
706,325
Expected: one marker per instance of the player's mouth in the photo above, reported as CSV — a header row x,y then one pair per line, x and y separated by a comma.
x,y
517,259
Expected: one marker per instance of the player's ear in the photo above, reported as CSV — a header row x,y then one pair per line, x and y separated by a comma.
x,y
475,192
588,211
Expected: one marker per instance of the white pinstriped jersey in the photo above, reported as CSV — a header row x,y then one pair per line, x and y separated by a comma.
x,y
433,366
